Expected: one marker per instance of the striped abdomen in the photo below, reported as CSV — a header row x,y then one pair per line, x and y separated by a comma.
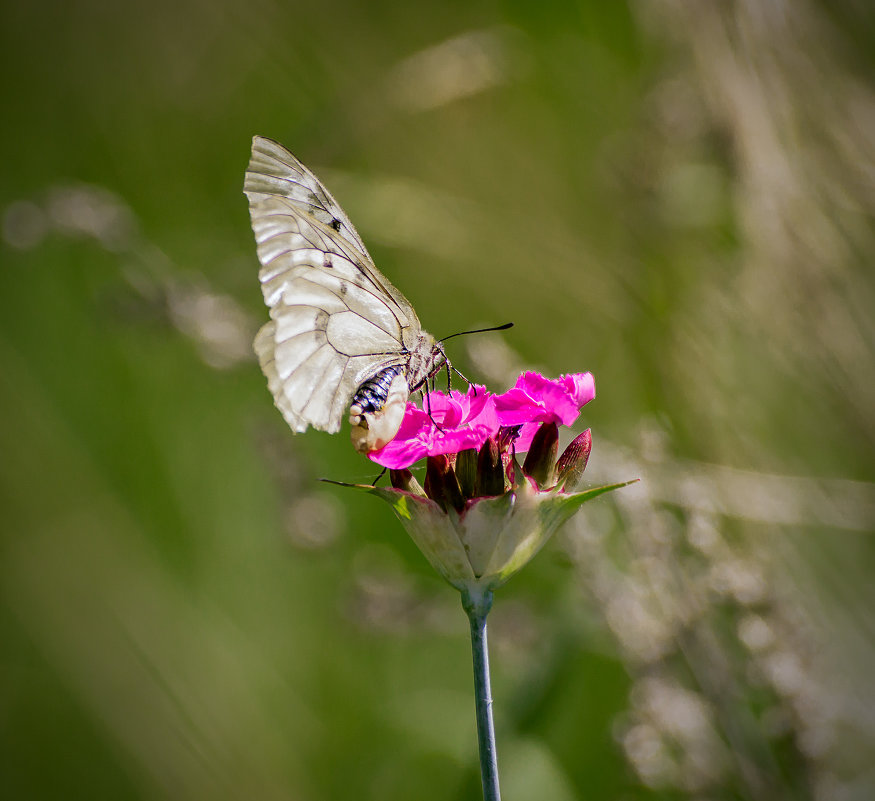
x,y
372,394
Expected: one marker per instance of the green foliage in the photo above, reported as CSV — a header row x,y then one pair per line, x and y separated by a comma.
x,y
671,196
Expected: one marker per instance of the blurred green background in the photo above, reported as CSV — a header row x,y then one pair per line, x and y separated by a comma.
x,y
675,196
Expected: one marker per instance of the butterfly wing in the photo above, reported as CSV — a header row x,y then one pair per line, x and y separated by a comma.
x,y
335,319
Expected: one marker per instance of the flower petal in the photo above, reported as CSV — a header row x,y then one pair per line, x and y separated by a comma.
x,y
535,398
410,443
449,424
581,387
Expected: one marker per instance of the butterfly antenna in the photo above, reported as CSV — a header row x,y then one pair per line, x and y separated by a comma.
x,y
465,333
478,331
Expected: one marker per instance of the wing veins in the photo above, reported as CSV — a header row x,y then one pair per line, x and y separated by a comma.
x,y
304,177
348,308
321,378
370,290
314,246
334,237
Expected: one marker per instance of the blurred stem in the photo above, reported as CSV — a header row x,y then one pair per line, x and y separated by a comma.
x,y
477,602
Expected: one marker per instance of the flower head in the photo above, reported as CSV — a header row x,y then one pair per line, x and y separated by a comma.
x,y
454,422
480,515
449,423
534,399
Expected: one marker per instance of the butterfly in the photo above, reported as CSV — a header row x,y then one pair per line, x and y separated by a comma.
x,y
340,335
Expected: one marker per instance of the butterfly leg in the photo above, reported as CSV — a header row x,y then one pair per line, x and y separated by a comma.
x,y
461,375
426,396
382,473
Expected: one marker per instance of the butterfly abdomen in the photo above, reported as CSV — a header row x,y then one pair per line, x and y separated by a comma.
x,y
372,394
377,409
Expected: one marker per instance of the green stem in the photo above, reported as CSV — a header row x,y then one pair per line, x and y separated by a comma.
x,y
477,602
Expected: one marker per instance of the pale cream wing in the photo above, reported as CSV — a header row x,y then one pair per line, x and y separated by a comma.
x,y
274,172
335,320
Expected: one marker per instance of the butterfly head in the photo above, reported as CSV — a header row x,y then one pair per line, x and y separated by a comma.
x,y
425,359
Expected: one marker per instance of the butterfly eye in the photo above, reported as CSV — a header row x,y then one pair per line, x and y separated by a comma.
x,y
372,430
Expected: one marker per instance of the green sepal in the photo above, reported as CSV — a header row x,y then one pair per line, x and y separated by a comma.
x,y
519,480
536,517
434,532
493,537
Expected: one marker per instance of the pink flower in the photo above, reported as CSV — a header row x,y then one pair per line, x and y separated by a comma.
x,y
457,422
535,399
480,515
449,423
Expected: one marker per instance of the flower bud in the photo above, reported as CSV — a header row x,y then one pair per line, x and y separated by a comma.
x,y
540,461
573,461
405,480
490,470
466,471
441,483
